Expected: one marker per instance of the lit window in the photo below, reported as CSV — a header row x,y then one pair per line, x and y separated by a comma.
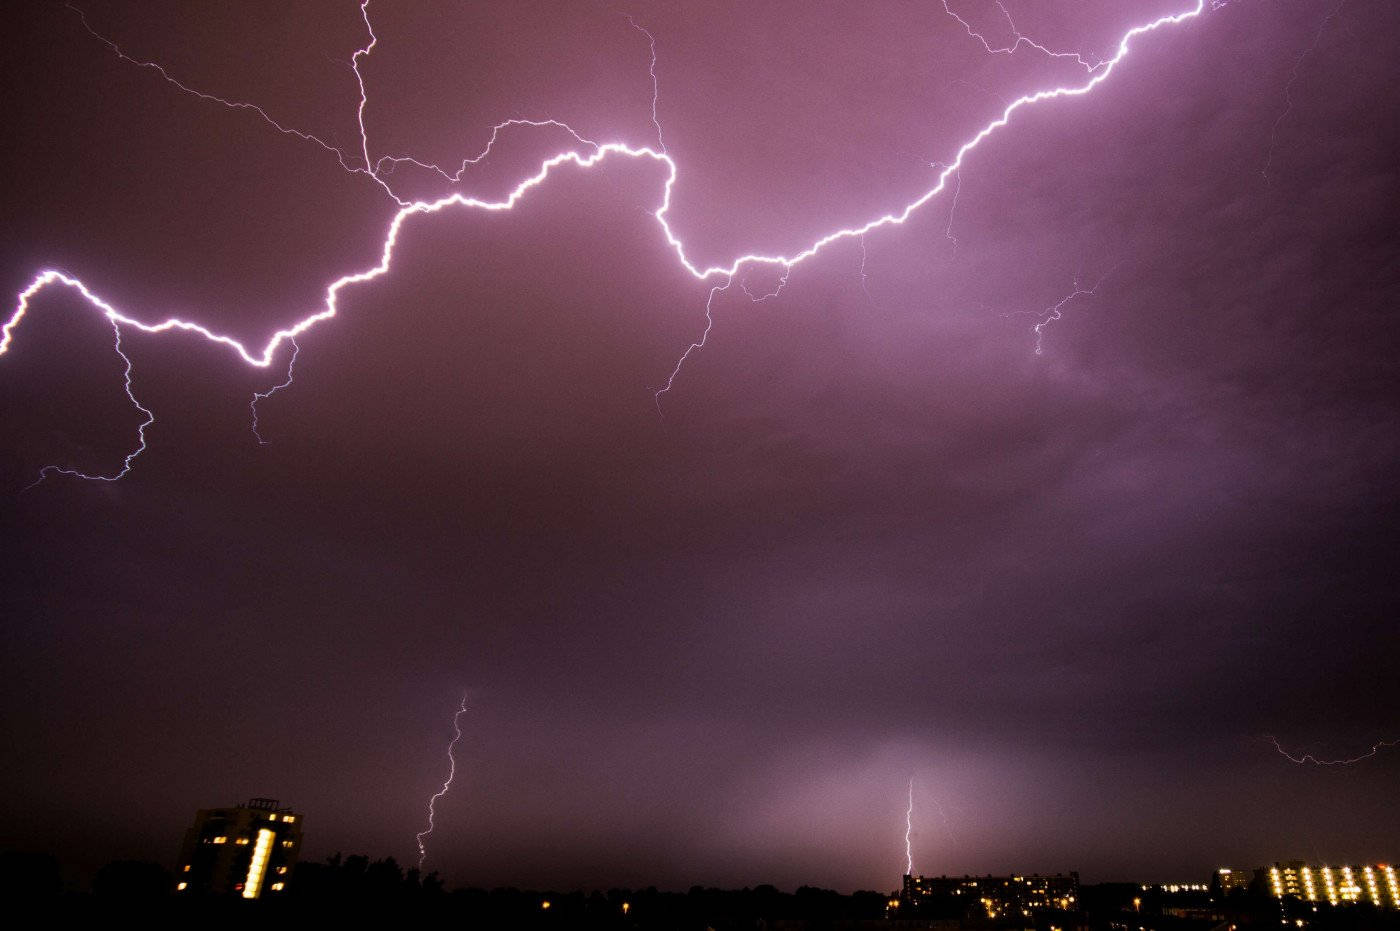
x,y
286,843
181,887
186,869
277,887
289,818
221,839
281,869
241,841
257,864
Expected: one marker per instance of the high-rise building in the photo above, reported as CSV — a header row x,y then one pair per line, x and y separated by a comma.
x,y
1226,880
1337,885
990,896
246,850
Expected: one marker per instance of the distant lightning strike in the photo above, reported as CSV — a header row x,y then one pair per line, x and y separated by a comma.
x,y
421,836
909,832
1098,72
1307,759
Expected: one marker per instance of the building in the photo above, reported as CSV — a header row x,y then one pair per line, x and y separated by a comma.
x,y
1226,881
246,851
990,896
1336,885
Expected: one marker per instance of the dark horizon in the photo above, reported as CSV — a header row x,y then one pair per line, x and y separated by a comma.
x,y
1072,571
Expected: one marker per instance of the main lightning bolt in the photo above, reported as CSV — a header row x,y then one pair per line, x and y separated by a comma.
x,y
1305,759
908,832
451,774
1097,73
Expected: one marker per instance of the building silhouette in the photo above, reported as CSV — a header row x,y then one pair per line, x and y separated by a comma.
x,y
246,851
988,896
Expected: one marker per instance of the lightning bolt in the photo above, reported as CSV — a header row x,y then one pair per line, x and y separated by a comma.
x,y
1097,72
264,395
655,86
698,344
140,430
451,774
1293,79
1308,759
1056,311
908,832
864,278
1020,40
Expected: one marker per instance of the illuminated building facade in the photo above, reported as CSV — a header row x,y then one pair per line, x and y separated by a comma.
x,y
1227,881
990,896
247,851
1377,884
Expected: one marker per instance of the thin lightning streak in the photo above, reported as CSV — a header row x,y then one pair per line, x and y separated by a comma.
x,y
456,176
1292,79
214,98
374,169
1308,758
264,395
1056,311
655,87
360,80
370,167
1089,66
863,276
451,774
140,431
695,346
908,832
262,358
760,298
953,208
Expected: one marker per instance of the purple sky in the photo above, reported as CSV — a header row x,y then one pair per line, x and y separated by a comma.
x,y
871,535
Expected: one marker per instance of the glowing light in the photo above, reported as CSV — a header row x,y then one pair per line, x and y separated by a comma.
x,y
447,784
1096,73
257,864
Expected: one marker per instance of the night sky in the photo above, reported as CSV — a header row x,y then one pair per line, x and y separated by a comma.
x,y
871,534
